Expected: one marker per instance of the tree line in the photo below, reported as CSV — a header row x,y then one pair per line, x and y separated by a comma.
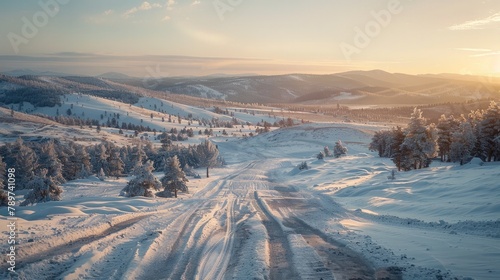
x,y
452,139
42,166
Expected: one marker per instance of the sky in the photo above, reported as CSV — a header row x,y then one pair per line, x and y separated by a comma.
x,y
203,37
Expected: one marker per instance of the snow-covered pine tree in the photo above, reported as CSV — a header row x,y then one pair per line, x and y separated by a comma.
x,y
208,154
381,142
26,162
420,139
326,152
101,175
303,166
43,189
445,128
188,170
48,159
72,164
396,153
144,183
137,158
191,156
174,179
475,118
99,159
82,158
320,156
463,142
339,149
115,164
124,153
489,130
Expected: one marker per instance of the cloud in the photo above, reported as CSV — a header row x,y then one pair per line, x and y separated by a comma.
x,y
479,52
143,7
196,2
473,50
166,18
477,24
490,53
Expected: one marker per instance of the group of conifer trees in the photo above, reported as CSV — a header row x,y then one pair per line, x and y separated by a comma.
x,y
44,164
452,139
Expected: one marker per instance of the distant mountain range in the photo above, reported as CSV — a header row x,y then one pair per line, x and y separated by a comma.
x,y
354,87
375,87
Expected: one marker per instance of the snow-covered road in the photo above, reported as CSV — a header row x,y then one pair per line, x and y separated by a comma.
x,y
261,218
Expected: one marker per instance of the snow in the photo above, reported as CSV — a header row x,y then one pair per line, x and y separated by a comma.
x,y
442,221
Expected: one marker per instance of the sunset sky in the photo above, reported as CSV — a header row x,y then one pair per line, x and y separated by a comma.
x,y
201,37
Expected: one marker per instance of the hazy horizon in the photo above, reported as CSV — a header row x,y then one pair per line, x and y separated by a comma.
x,y
197,38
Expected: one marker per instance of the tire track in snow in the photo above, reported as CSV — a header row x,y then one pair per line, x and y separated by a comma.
x,y
195,242
280,252
214,264
164,269
75,245
344,262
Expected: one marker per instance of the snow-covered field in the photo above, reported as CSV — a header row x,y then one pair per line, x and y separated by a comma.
x,y
260,217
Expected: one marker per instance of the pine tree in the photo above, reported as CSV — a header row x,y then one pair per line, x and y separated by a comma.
x,y
339,149
71,163
115,164
420,140
489,131
397,153
144,183
463,142
43,189
208,154
381,142
101,175
174,178
26,163
136,158
326,152
320,156
48,159
100,158
188,170
445,128
82,158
